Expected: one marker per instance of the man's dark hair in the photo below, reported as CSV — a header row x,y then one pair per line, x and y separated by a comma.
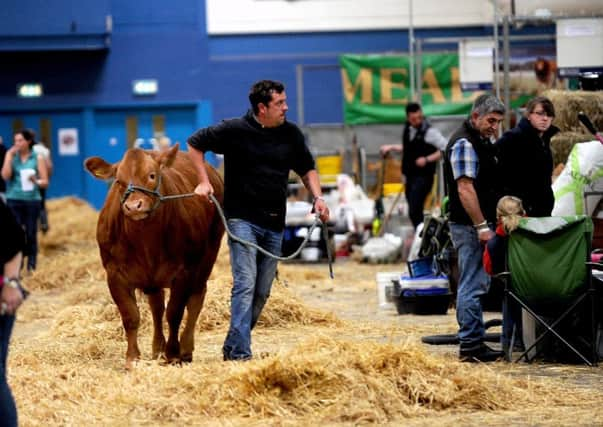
x,y
28,135
261,92
412,107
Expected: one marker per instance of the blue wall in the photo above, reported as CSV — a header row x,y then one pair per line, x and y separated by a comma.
x,y
169,43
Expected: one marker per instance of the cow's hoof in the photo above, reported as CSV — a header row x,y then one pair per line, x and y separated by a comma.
x,y
186,358
131,364
158,350
160,357
174,361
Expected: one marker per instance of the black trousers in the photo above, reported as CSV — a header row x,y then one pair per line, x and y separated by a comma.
x,y
27,213
416,189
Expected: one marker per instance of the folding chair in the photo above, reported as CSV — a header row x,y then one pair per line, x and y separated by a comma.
x,y
549,276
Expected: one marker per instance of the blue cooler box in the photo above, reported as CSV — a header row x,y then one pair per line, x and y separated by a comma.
x,y
422,295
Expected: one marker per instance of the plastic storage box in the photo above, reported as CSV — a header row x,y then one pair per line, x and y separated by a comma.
x,y
422,295
385,288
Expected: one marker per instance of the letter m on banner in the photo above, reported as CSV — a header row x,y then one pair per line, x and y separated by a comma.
x,y
376,87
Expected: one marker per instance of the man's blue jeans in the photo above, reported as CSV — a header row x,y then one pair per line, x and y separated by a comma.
x,y
473,283
8,411
253,273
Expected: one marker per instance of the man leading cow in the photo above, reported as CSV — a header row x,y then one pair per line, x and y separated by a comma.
x,y
259,150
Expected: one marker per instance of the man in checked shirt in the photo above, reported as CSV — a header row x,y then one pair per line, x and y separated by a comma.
x,y
473,189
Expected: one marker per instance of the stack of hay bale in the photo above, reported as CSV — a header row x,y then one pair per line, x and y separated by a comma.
x,y
567,105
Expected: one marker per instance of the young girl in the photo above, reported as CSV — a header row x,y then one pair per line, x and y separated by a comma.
x,y
509,210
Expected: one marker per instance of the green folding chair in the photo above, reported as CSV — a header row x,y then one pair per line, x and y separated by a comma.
x,y
549,276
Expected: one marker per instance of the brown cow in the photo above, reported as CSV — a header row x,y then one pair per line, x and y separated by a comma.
x,y
151,245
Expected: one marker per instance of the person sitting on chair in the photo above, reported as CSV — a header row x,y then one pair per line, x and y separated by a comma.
x,y
508,212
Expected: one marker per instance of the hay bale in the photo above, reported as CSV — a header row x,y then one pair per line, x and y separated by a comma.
x,y
72,222
322,380
563,142
348,381
282,309
569,103
74,268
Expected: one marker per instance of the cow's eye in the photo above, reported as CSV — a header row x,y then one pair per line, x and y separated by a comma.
x,y
152,176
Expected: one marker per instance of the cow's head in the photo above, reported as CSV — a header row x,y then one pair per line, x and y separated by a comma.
x,y
137,178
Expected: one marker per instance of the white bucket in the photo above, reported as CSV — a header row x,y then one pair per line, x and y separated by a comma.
x,y
384,284
340,240
310,254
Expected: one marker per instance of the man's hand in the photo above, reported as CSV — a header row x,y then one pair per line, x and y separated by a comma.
x,y
385,149
11,299
321,209
484,236
204,189
421,162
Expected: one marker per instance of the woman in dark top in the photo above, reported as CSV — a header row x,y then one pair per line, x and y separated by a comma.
x,y
525,159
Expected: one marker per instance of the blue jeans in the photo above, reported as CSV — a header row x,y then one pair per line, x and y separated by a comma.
x,y
27,213
8,410
473,283
252,274
511,320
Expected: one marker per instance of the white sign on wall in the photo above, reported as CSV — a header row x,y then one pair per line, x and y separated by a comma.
x,y
476,64
580,43
69,142
281,16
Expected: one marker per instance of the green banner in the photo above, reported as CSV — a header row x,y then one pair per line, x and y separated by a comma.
x,y
376,87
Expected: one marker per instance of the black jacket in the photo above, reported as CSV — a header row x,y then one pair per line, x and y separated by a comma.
x,y
2,156
257,162
526,166
415,148
13,236
486,182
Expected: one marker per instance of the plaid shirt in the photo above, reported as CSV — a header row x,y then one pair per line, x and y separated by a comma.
x,y
463,160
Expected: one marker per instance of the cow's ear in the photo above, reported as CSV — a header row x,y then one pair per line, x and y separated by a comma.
x,y
99,168
167,157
